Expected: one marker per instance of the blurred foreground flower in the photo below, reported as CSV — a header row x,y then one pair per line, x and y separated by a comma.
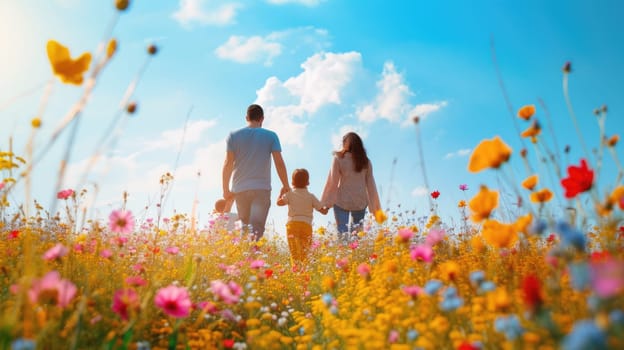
x,y
125,301
69,70
489,154
483,203
52,288
174,301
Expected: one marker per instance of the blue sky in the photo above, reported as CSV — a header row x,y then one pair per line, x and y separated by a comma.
x,y
319,68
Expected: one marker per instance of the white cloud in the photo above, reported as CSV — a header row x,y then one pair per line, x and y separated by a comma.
x,y
191,11
324,77
248,50
459,153
422,110
420,191
392,100
180,137
309,3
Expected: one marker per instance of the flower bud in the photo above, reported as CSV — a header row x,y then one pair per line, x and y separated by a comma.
x,y
567,67
131,107
152,49
122,5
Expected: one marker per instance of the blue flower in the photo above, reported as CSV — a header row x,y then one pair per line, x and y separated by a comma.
x,y
538,227
571,236
488,286
327,299
23,344
432,287
617,317
510,325
579,276
477,277
412,334
585,335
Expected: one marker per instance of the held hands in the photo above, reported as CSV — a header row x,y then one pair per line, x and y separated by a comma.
x,y
323,210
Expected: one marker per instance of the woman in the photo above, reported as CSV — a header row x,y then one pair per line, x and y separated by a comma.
x,y
350,186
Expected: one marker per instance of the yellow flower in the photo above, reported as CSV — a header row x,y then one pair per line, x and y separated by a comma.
x,y
617,196
498,234
380,216
35,123
530,182
499,300
522,223
532,131
483,203
541,196
111,48
526,112
489,154
449,270
69,70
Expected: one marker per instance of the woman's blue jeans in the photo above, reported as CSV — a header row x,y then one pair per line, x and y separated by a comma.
x,y
342,222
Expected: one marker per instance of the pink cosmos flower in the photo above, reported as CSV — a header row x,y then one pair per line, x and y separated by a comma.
x,y
229,293
106,253
463,187
405,234
393,337
607,277
125,301
207,306
52,288
121,221
413,291
422,252
64,194
136,281
364,270
56,252
354,245
434,236
1,185
342,262
256,264
174,301
172,250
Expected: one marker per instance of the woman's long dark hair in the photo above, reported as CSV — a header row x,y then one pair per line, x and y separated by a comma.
x,y
352,143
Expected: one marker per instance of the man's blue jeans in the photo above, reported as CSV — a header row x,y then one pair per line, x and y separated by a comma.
x,y
253,209
342,222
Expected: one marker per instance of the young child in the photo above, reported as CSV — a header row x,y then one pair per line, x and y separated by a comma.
x,y
222,215
301,205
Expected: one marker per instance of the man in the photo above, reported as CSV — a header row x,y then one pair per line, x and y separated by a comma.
x,y
248,164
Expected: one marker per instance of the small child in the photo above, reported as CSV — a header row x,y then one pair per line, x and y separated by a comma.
x,y
223,217
301,205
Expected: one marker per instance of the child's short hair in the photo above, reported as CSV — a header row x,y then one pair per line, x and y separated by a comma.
x,y
300,178
220,205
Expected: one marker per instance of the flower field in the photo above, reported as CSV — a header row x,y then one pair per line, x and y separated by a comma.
x,y
531,279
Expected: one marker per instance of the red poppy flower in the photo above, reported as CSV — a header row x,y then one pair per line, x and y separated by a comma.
x,y
268,273
228,343
532,292
580,179
435,194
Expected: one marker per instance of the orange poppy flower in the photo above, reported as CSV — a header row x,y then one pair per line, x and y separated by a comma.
x,y
526,112
541,196
617,196
532,131
483,203
613,140
530,182
523,222
498,234
69,70
489,154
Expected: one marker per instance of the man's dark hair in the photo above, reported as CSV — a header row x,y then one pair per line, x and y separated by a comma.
x,y
300,178
255,112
